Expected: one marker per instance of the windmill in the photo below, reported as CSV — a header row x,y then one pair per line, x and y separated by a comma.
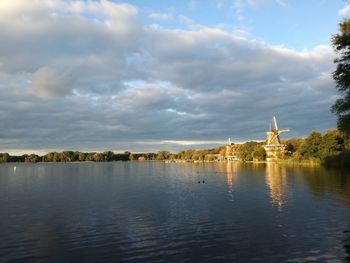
x,y
273,147
230,153
273,137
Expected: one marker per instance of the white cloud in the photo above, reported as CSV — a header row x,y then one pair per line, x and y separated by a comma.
x,y
186,20
345,11
112,81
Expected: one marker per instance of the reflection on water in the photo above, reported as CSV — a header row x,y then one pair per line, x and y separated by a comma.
x,y
323,182
157,212
347,245
231,176
276,179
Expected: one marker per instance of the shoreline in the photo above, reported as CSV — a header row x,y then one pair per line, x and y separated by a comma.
x,y
283,162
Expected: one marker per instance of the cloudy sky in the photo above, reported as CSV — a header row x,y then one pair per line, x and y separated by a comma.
x,y
150,75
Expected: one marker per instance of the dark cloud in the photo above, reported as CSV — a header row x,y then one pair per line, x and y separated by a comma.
x,y
90,76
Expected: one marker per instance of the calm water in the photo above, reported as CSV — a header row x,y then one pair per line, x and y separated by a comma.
x,y
157,212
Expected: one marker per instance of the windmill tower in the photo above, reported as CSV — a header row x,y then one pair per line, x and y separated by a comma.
x,y
274,149
230,154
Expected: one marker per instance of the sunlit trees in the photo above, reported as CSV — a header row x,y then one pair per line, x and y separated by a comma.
x,y
245,151
293,145
163,155
32,158
332,144
311,147
331,148
321,148
82,156
4,157
259,153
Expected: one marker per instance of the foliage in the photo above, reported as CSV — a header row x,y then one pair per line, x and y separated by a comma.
x,y
341,44
245,151
32,158
293,145
163,155
4,157
259,153
332,144
328,148
332,148
311,147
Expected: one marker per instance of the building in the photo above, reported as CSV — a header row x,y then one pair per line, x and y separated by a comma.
x,y
231,153
273,147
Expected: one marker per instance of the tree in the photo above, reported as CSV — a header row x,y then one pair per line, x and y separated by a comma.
x,y
82,156
163,155
311,146
245,151
259,153
222,151
109,156
4,157
293,145
32,158
332,144
341,45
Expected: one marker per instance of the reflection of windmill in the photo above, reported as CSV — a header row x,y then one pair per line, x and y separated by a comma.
x,y
274,149
276,179
273,137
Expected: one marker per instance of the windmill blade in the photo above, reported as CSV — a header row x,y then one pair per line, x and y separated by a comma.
x,y
274,123
284,130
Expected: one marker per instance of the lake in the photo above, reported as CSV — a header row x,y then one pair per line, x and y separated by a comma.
x,y
177,212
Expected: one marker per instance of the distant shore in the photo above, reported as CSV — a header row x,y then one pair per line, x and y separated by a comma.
x,y
331,148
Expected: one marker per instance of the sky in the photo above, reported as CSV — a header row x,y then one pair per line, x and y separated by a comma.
x,y
163,75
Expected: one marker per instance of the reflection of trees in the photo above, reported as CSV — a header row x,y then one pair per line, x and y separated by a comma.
x,y
276,179
322,181
347,246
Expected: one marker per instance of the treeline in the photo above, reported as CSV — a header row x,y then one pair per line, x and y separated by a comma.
x,y
109,156
67,156
332,148
190,155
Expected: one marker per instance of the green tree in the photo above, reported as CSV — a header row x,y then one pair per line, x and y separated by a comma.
x,y
134,156
4,157
311,147
82,156
163,155
293,145
259,153
108,156
98,157
341,45
32,158
332,144
245,151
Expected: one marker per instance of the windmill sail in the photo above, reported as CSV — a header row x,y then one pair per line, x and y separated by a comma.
x,y
273,135
274,124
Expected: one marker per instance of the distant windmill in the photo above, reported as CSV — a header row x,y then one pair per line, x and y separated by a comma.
x,y
273,137
230,153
